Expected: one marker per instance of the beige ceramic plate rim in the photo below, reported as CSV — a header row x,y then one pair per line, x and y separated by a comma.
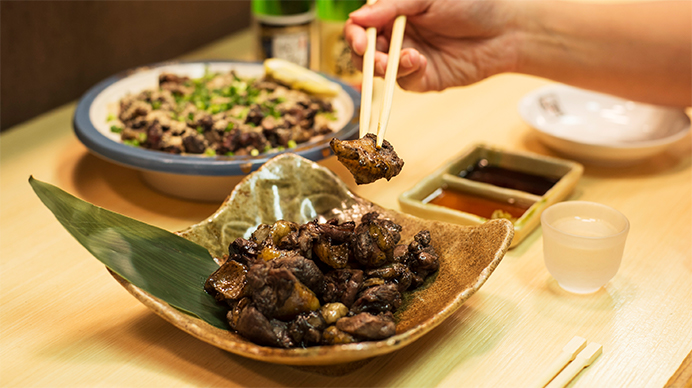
x,y
322,355
580,96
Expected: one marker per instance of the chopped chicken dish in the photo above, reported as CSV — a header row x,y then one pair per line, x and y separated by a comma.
x,y
221,115
294,285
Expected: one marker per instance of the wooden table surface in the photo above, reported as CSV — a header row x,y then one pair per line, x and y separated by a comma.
x,y
64,321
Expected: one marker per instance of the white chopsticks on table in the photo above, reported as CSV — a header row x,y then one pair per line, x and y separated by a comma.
x,y
389,78
583,359
575,356
569,352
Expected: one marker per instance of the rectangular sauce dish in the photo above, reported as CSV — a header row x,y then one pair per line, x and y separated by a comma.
x,y
486,182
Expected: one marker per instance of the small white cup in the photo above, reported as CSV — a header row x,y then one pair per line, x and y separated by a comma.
x,y
583,244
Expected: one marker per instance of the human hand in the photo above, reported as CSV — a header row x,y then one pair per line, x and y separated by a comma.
x,y
447,42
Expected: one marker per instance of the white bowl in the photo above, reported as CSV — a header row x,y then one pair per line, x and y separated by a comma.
x,y
601,129
192,177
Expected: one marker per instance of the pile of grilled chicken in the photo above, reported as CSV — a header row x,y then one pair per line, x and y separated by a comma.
x,y
294,285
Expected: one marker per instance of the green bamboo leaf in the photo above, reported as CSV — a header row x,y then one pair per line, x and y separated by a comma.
x,y
159,262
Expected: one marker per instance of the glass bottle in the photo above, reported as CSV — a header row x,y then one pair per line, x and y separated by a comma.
x,y
335,55
284,29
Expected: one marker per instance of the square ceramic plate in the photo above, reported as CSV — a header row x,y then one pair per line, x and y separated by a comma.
x,y
417,200
296,189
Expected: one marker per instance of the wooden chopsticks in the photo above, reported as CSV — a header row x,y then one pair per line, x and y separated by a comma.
x,y
575,356
368,75
583,359
389,78
568,353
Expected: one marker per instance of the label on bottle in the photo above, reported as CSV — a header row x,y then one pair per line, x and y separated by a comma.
x,y
291,43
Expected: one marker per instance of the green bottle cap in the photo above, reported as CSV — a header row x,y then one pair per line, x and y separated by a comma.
x,y
281,7
337,10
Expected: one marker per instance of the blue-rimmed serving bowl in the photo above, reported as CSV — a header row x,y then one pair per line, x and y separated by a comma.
x,y
193,177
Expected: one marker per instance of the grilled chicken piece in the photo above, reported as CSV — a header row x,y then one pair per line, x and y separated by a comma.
x,y
368,326
378,299
365,161
342,286
375,239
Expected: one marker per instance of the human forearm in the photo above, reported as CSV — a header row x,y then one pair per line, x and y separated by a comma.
x,y
641,51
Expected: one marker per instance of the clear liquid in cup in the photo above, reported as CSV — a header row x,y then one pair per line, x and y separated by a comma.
x,y
585,227
585,261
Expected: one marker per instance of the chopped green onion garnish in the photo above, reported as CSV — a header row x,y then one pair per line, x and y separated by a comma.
x,y
238,87
243,113
142,137
292,144
156,104
230,127
210,152
116,129
110,117
200,129
133,143
230,153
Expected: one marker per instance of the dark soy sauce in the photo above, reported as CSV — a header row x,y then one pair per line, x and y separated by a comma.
x,y
484,172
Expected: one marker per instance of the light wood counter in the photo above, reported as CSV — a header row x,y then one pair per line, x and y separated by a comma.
x,y
64,321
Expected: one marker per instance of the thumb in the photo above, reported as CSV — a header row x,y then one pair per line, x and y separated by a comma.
x,y
384,12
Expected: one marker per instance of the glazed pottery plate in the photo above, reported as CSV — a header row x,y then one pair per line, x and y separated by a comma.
x,y
599,128
293,188
190,176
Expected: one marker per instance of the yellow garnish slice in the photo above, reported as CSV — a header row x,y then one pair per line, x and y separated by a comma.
x,y
298,77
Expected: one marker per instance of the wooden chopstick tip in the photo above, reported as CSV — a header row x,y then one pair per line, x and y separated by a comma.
x,y
590,353
575,345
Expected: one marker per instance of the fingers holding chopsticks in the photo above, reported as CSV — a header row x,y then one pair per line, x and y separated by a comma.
x,y
383,12
381,15
355,34
412,75
410,60
377,63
